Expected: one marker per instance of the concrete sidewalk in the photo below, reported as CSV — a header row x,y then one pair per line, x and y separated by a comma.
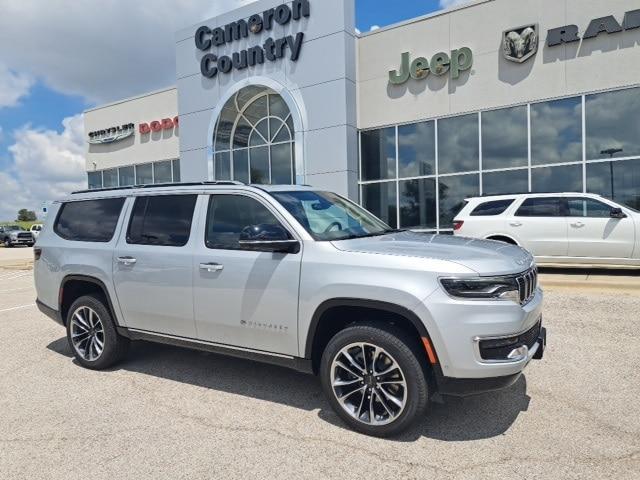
x,y
596,279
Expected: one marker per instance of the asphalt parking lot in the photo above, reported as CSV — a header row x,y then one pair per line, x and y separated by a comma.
x,y
173,413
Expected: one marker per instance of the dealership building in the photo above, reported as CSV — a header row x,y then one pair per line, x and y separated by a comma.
x,y
491,97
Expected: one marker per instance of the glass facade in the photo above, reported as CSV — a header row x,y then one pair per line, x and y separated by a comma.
x,y
167,171
254,139
418,175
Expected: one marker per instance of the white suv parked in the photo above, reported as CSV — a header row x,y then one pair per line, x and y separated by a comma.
x,y
559,229
295,277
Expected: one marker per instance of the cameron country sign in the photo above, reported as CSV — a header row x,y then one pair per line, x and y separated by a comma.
x,y
272,49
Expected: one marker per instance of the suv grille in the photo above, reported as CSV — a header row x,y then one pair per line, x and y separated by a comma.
x,y
527,285
24,236
499,349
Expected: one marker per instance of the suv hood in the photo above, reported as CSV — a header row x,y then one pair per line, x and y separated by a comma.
x,y
486,257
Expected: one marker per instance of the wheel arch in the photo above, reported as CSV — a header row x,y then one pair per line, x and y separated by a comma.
x,y
73,287
501,237
326,322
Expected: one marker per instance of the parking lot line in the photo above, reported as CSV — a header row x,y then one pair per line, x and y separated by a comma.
x,y
18,308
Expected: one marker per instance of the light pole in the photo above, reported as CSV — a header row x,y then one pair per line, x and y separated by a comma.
x,y
611,152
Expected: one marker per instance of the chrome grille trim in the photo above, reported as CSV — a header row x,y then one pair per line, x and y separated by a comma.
x,y
527,284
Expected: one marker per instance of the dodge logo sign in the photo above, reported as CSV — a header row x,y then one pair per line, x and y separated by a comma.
x,y
520,44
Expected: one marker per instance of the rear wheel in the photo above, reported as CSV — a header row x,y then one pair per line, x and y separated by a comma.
x,y
92,334
374,379
7,243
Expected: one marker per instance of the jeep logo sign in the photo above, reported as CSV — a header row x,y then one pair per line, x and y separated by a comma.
x,y
441,63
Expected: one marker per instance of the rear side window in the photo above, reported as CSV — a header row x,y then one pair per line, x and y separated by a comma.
x,y
587,207
89,220
542,207
163,220
488,209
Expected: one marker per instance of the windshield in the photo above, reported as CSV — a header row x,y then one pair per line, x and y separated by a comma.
x,y
327,216
11,228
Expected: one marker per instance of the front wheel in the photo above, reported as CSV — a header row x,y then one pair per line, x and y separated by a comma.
x,y
374,379
7,243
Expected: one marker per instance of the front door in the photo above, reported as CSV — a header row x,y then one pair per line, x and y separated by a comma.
x,y
540,225
152,266
244,298
594,233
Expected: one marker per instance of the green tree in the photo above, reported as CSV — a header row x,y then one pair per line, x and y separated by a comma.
x,y
25,215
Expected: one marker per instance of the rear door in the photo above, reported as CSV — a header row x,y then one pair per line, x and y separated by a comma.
x,y
539,224
594,233
152,265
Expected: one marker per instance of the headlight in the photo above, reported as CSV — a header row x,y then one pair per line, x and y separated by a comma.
x,y
500,288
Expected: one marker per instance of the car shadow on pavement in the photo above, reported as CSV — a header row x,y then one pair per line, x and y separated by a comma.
x,y
457,419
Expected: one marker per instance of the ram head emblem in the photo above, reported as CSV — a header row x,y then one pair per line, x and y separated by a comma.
x,y
520,44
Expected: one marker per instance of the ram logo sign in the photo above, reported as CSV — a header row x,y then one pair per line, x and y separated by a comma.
x,y
520,44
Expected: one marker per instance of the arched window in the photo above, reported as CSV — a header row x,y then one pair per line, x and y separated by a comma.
x,y
254,139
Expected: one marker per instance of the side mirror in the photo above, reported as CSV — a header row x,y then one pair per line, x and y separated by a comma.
x,y
268,238
617,213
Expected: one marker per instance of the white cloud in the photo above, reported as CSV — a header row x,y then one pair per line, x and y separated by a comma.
x,y
13,86
45,165
102,51
374,28
452,3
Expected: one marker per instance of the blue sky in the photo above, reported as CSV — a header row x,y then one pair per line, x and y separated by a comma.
x,y
46,85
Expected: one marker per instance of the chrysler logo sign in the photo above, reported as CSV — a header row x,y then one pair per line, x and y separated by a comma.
x,y
520,44
110,135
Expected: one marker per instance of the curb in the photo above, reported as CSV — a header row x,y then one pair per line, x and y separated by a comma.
x,y
591,285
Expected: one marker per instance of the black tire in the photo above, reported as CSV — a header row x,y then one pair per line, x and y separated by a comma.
x,y
406,354
7,243
115,346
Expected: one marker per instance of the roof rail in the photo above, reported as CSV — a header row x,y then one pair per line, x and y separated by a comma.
x,y
158,185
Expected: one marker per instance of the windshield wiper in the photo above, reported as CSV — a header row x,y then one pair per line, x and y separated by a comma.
x,y
372,234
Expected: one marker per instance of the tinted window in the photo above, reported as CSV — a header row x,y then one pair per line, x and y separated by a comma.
x,y
162,220
556,131
566,178
418,203
94,179
505,183
453,191
162,172
586,207
458,144
504,138
495,207
144,174
619,181
417,149
541,207
380,199
228,215
110,178
127,176
89,221
378,154
613,124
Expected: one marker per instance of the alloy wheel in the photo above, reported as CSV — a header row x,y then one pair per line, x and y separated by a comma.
x,y
87,333
368,384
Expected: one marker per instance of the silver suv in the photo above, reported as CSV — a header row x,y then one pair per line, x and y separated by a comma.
x,y
296,277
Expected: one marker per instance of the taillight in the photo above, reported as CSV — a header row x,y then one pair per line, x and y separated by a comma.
x,y
37,252
457,225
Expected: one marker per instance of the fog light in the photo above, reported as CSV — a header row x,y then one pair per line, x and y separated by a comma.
x,y
518,353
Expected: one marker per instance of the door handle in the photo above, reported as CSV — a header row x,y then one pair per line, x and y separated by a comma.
x,y
577,224
211,267
127,260
515,224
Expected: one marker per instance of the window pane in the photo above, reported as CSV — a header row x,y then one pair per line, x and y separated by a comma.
x,y
176,170
556,131
418,203
162,172
488,209
277,107
225,125
110,178
89,221
613,123
228,215
257,110
567,178
94,179
259,165
281,164
378,154
241,135
586,207
619,181
163,220
458,144
417,149
241,166
505,183
144,174
127,176
453,191
380,199
504,138
541,207
222,166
